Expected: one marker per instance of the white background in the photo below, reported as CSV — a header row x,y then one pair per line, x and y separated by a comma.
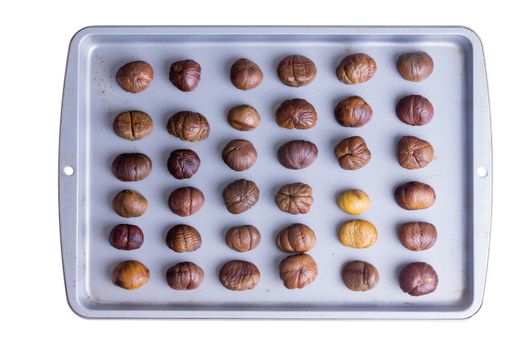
x,y
34,37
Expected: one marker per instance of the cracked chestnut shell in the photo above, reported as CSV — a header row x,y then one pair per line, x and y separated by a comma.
x,y
131,166
415,66
295,198
186,201
239,154
130,274
356,68
297,154
353,112
135,76
185,75
352,153
414,153
296,70
183,163
360,276
133,125
239,275
183,238
189,126
243,238
418,279
297,271
129,204
415,195
245,74
126,237
296,114
244,117
240,195
417,236
296,238
415,110
358,234
184,276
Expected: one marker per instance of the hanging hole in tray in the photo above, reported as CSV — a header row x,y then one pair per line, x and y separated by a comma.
x,y
68,170
482,172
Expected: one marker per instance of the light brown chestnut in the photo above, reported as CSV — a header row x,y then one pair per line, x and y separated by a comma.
x,y
296,70
185,75
243,238
133,125
131,166
352,153
244,117
417,236
296,238
129,204
245,74
297,154
240,195
184,276
183,238
415,110
186,201
415,195
130,274
135,76
238,275
295,198
189,126
353,112
414,153
356,68
239,154
298,271
415,66
296,114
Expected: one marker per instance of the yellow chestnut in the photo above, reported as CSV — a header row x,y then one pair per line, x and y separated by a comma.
x,y
354,202
358,234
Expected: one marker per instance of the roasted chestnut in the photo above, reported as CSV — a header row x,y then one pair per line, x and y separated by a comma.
x,y
183,238
185,201
360,276
185,75
415,66
184,276
356,68
130,274
243,238
239,275
245,74
126,237
296,114
354,202
135,76
415,195
244,117
131,166
296,70
353,112
297,154
414,153
132,125
352,153
189,126
358,234
418,278
130,204
414,110
240,196
183,163
239,154
417,236
296,238
295,198
297,271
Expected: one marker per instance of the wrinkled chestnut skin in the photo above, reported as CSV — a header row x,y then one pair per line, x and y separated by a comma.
x,y
358,234
183,238
417,236
414,153
129,204
185,75
297,271
353,112
126,237
296,71
130,274
244,117
240,196
356,68
189,126
415,66
239,154
296,238
415,110
360,276
415,195
186,201
245,74
297,154
296,114
418,279
352,153
135,76
184,276
239,275
295,198
243,238
131,166
183,163
133,125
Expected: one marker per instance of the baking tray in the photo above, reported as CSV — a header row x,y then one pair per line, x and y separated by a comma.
x,y
461,172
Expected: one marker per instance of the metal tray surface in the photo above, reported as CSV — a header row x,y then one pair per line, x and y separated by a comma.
x,y
459,132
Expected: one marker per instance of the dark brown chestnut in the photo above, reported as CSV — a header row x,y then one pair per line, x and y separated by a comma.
x,y
239,154
415,110
183,163
183,238
185,75
239,275
415,195
186,201
297,271
297,154
417,236
353,112
184,276
415,66
126,237
133,125
296,238
296,70
414,153
296,114
418,279
189,126
360,276
356,68
352,153
135,76
240,195
131,166
130,204
295,198
245,74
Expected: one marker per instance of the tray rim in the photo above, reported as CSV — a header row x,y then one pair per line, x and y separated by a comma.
x,y
69,203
